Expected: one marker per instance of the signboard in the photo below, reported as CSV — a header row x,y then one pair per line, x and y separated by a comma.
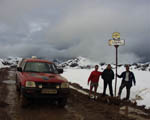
x,y
116,42
116,35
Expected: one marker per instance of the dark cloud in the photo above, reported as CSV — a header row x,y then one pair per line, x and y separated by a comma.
x,y
75,28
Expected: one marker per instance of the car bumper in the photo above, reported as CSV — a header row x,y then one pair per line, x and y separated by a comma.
x,y
45,93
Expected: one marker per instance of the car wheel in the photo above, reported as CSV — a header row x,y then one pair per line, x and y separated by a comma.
x,y
17,85
17,88
24,102
62,102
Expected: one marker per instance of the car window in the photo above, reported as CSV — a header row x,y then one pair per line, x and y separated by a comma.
x,y
23,64
40,67
20,63
53,68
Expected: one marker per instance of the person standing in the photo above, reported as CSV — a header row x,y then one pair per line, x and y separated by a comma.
x,y
108,76
93,80
127,79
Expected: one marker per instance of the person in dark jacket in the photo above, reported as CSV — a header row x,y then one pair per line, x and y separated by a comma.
x,y
108,76
127,79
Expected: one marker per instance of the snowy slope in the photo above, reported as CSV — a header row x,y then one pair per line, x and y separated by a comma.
x,y
140,92
2,64
9,62
79,62
12,61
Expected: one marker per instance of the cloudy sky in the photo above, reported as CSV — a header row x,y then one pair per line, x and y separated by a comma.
x,y
70,28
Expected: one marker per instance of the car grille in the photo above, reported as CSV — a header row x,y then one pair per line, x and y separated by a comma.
x,y
47,85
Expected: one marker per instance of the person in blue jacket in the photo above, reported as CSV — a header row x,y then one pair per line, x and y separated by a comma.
x,y
127,79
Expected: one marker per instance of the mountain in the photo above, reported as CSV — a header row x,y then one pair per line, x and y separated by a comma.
x,y
85,63
9,62
78,62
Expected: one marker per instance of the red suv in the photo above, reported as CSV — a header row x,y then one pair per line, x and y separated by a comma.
x,y
36,79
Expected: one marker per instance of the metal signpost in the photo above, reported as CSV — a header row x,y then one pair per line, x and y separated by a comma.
x,y
116,42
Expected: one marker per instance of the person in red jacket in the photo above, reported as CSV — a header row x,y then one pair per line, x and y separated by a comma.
x,y
93,80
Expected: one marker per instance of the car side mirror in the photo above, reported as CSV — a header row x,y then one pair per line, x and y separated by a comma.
x,y
60,71
19,69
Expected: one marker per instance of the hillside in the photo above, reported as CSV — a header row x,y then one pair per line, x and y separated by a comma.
x,y
78,70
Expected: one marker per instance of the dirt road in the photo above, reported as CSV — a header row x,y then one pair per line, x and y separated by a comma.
x,y
79,107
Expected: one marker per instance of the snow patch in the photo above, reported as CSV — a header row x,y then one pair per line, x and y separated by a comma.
x,y
139,93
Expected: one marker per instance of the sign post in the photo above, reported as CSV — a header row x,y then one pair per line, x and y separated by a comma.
x,y
116,42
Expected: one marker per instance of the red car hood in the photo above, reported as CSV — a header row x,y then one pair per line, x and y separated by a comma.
x,y
44,77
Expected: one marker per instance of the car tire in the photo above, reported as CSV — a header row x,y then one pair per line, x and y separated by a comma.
x,y
17,86
24,102
62,102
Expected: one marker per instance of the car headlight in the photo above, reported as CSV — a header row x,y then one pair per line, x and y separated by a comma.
x,y
57,86
64,85
30,84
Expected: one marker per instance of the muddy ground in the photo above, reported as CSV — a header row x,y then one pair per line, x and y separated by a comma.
x,y
79,106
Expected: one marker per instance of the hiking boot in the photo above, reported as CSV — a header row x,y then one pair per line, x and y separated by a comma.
x,y
91,97
96,97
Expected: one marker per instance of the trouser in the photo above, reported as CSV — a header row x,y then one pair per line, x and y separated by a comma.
x,y
125,84
110,87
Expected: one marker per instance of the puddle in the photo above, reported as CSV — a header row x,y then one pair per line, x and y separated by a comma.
x,y
9,81
11,100
11,76
133,113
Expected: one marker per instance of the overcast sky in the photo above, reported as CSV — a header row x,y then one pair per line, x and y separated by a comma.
x,y
70,28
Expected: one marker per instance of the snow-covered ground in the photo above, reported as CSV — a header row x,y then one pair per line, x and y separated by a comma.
x,y
9,61
2,65
78,70
12,61
140,92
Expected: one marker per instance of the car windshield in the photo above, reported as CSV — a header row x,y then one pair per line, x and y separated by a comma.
x,y
40,67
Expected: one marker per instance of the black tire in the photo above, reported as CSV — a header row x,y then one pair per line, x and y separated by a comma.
x,y
62,102
24,102
17,85
17,88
